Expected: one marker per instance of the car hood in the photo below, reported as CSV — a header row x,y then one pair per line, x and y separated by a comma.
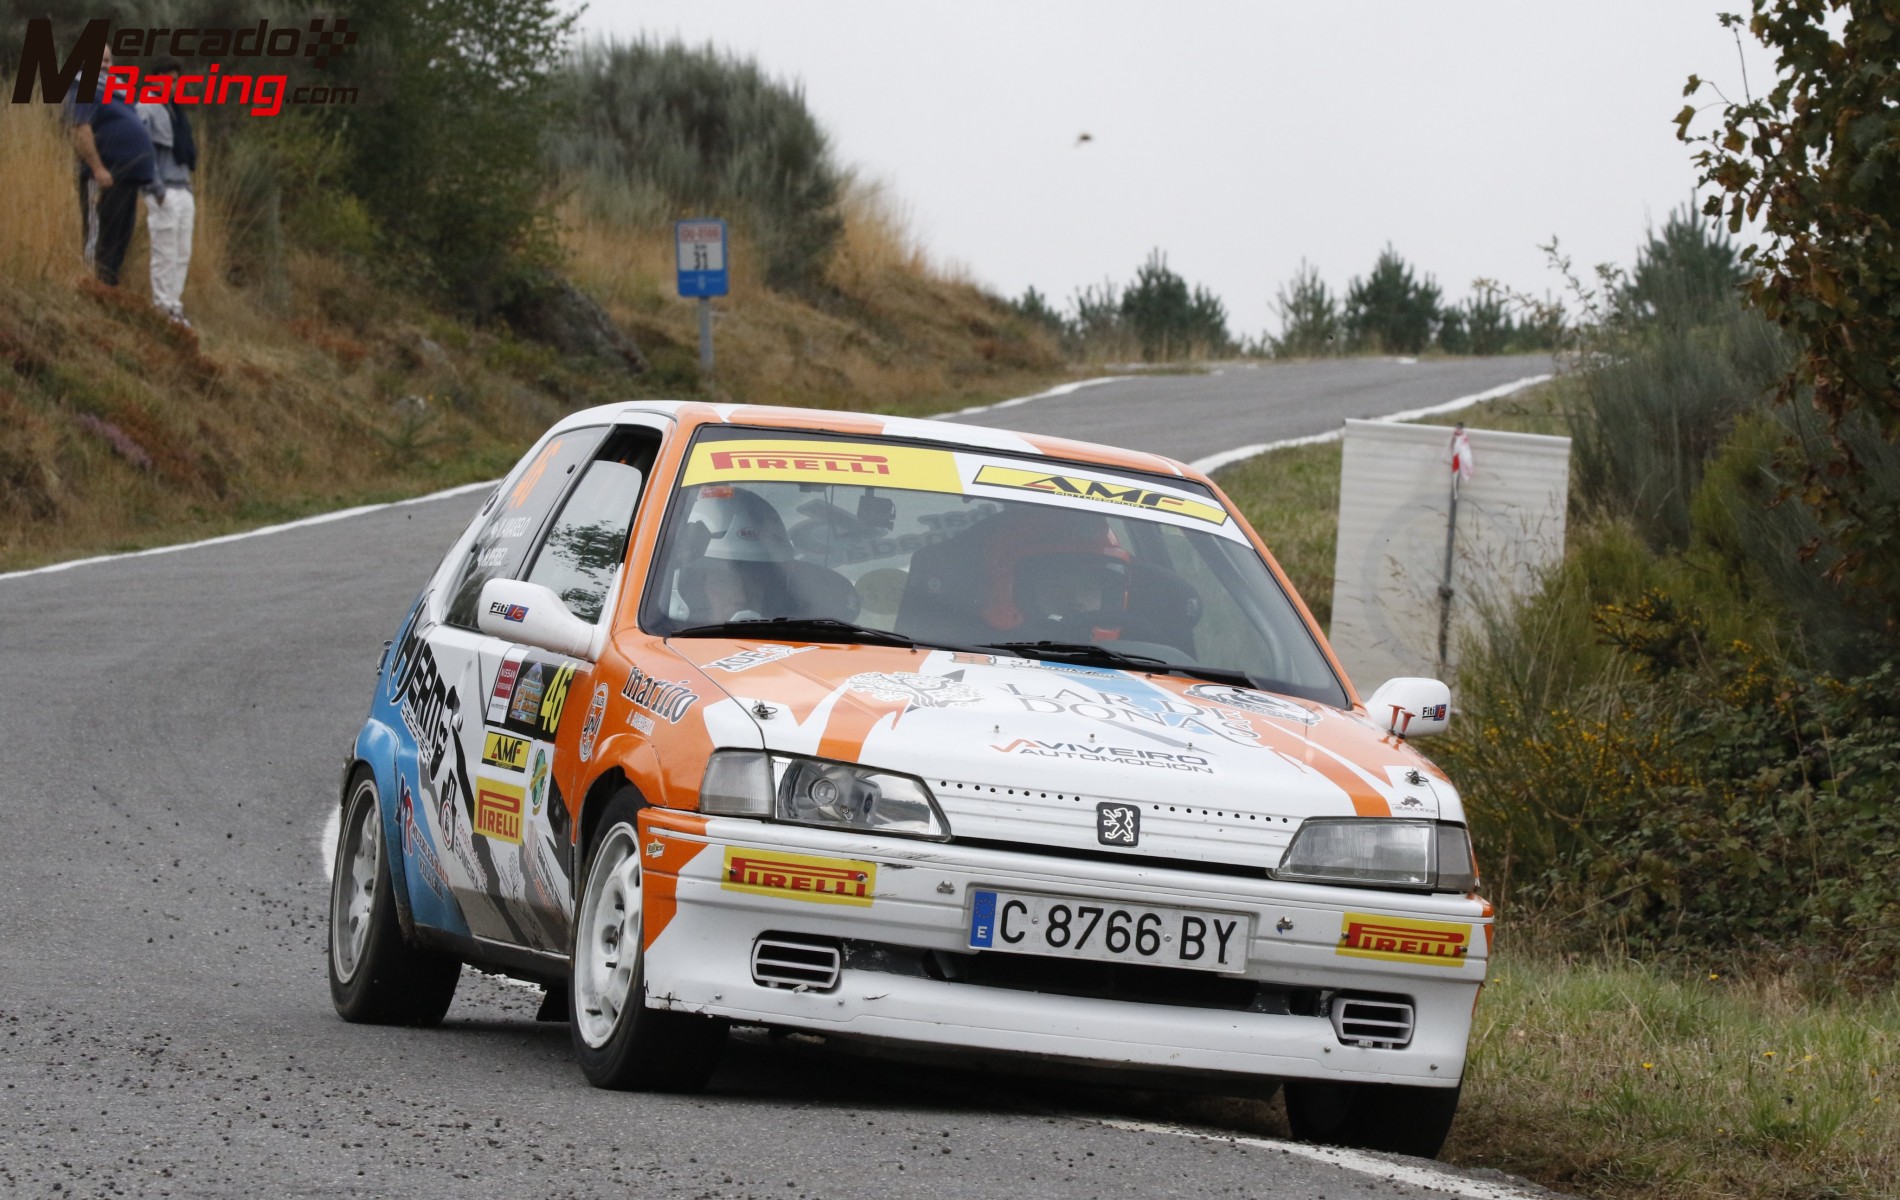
x,y
1020,750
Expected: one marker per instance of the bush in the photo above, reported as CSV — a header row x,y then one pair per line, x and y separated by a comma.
x,y
660,131
443,146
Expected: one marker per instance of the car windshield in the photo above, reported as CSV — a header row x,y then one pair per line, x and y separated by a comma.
x,y
964,547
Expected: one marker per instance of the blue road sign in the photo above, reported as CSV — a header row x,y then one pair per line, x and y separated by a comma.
x,y
701,248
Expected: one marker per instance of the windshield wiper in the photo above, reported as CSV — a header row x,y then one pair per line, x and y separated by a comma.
x,y
1106,655
816,629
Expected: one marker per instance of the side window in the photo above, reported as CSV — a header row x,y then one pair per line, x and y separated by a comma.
x,y
524,503
588,540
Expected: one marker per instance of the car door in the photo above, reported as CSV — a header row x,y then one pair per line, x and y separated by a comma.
x,y
517,817
482,872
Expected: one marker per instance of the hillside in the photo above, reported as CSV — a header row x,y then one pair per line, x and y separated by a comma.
x,y
318,379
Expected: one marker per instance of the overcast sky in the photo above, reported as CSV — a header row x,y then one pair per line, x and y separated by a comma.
x,y
1240,136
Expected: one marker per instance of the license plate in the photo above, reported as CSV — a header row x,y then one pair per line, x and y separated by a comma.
x,y
1063,927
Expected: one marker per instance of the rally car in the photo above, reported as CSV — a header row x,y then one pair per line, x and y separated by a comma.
x,y
932,736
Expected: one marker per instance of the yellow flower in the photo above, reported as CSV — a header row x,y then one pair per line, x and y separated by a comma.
x,y
1649,1066
1715,975
1767,1053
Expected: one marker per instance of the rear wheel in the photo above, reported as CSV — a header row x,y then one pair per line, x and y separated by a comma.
x,y
620,1042
376,978
1372,1116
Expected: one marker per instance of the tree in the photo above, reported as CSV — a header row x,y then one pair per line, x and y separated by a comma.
x,y
444,144
1391,310
1817,161
1686,274
1309,316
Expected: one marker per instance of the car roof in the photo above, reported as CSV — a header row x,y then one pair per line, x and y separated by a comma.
x,y
692,413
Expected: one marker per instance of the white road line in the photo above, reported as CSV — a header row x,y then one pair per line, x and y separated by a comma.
x,y
1228,458
1062,389
319,519
1416,1172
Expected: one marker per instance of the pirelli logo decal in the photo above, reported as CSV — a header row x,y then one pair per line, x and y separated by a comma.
x,y
1081,487
800,877
811,460
1398,939
498,810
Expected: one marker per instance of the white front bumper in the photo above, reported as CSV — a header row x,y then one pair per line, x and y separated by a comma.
x,y
700,958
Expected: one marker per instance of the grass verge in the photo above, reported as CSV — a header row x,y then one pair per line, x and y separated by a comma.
x,y
1608,1078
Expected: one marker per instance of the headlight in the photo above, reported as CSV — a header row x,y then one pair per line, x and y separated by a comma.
x,y
1426,856
816,791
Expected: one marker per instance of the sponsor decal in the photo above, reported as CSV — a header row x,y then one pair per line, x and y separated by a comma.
x,y
1433,712
642,722
504,688
757,656
590,728
800,877
659,697
527,699
811,460
508,753
1118,824
919,691
1251,701
538,781
1136,707
1089,752
508,612
1081,487
1401,939
415,844
554,699
498,809
1412,802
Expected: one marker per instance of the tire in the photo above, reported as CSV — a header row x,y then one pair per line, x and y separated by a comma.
x,y
620,1042
376,978
1372,1116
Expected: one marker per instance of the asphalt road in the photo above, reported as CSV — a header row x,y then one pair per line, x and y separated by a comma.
x,y
1190,417
170,742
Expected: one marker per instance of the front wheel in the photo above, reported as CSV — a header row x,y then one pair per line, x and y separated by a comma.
x,y
1372,1116
375,977
620,1042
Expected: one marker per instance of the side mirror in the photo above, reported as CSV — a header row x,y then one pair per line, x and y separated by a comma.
x,y
535,616
1407,706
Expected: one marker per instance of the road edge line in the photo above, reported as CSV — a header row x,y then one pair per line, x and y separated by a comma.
x,y
1358,1161
1227,458
301,523
1061,389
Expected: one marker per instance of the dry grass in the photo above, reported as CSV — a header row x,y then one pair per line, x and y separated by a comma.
x,y
322,387
889,333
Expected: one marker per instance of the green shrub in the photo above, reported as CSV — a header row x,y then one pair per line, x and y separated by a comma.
x,y
1310,322
1391,311
659,131
1169,319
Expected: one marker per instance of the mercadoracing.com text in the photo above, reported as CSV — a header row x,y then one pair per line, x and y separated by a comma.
x,y
265,94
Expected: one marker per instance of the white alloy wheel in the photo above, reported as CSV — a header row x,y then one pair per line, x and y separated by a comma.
x,y
607,944
353,891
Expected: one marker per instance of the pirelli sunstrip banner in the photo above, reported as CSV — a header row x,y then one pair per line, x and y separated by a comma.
x,y
951,472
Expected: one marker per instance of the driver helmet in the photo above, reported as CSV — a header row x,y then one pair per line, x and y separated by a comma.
x,y
739,573
1045,567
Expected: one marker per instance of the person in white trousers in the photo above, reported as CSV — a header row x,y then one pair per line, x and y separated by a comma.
x,y
170,209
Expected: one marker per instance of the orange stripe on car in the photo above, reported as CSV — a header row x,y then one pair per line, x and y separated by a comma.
x,y
662,858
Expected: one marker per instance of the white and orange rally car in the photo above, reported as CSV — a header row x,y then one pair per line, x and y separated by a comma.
x,y
931,735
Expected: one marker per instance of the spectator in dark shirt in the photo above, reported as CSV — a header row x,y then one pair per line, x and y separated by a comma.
x,y
115,162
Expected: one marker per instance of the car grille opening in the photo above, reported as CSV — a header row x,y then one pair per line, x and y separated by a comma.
x,y
790,960
1377,1022
1129,982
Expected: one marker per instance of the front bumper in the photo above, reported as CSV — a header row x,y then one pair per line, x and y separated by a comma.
x,y
703,921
